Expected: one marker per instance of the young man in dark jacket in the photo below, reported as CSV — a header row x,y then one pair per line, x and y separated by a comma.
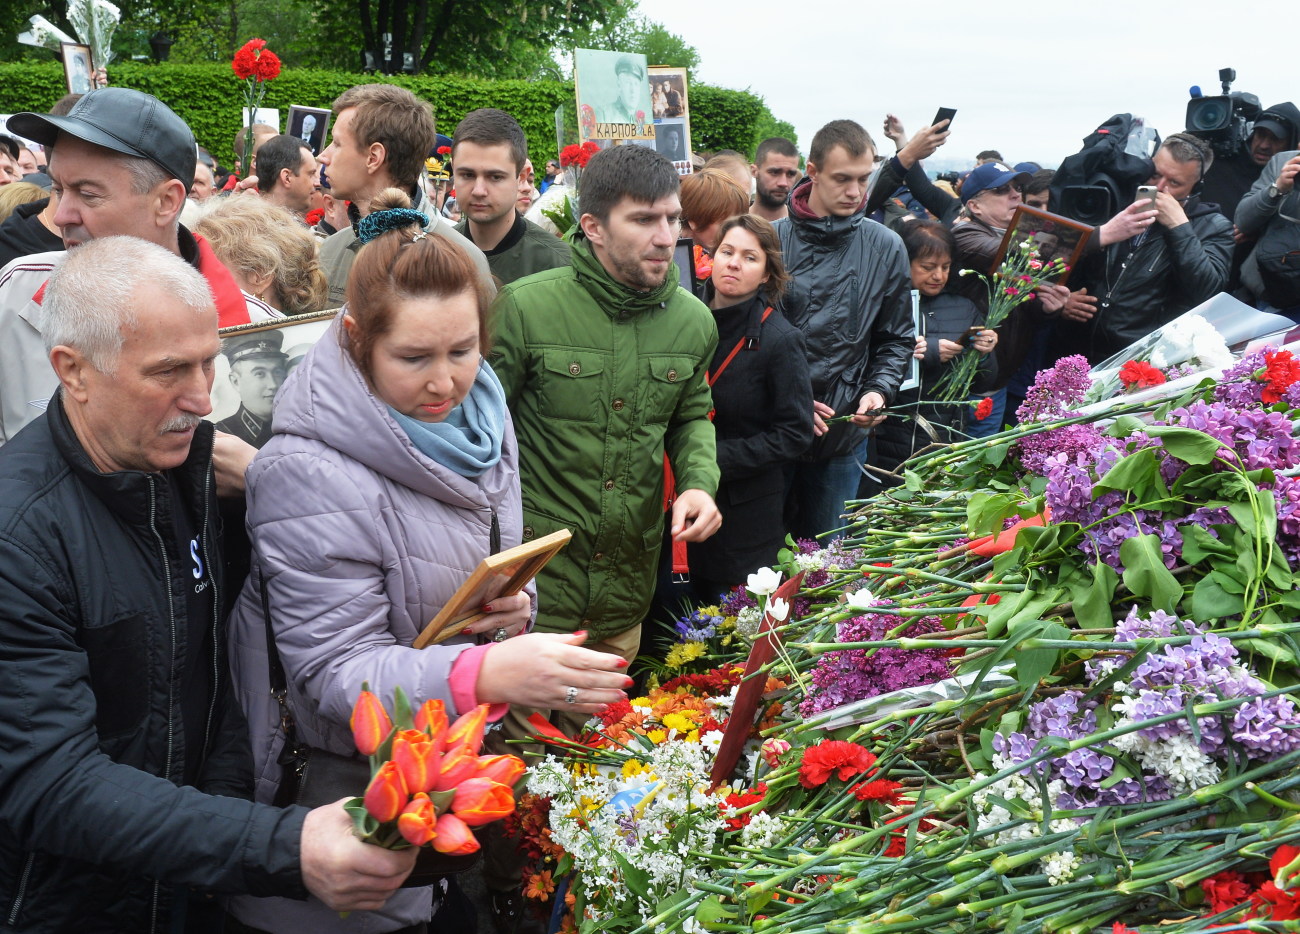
x,y
124,760
849,294
1180,259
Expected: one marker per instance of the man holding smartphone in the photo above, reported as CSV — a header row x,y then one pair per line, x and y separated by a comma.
x,y
1160,256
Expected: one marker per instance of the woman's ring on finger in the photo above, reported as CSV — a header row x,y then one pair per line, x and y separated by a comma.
x,y
571,696
500,635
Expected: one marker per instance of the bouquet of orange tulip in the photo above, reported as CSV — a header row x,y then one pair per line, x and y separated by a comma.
x,y
428,785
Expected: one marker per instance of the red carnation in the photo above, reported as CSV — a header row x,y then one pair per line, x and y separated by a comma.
x,y
1138,375
314,217
984,409
833,756
444,150
742,799
1280,371
1225,890
882,789
256,61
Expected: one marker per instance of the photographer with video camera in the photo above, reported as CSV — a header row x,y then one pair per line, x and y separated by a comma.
x,y
1228,180
1271,212
1153,260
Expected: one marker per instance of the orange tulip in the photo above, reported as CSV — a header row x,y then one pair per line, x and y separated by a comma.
x,y
480,801
452,835
432,718
416,758
386,794
370,723
503,769
468,729
457,765
417,823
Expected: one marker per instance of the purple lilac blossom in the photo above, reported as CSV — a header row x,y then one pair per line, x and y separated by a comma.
x,y
1056,390
1238,386
1037,450
855,674
1286,490
1261,438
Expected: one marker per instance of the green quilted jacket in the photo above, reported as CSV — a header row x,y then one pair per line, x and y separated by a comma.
x,y
601,380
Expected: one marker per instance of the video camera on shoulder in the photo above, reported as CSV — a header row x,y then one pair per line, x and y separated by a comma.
x,y
1224,121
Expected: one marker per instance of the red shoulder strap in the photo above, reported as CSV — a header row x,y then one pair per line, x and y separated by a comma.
x,y
713,377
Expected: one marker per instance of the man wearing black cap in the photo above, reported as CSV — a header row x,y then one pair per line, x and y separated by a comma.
x,y
1228,179
122,163
258,367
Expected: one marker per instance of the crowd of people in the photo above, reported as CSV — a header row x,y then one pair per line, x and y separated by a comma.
x,y
483,383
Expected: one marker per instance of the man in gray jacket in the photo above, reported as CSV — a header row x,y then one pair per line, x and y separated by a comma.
x,y
1270,212
849,294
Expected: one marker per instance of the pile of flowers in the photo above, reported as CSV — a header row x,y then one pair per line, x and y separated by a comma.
x,y
428,785
1155,752
1046,684
627,809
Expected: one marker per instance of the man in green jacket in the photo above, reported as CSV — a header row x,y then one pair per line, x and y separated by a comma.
x,y
488,154
604,366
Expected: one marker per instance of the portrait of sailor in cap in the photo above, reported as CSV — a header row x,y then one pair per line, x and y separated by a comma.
x,y
258,367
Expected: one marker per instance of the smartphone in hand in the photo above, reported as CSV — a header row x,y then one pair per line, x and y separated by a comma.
x,y
945,113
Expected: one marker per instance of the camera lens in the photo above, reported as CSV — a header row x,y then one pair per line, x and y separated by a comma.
x,y
1208,113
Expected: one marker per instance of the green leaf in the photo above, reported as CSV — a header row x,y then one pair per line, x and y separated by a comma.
x,y
1145,573
403,718
635,878
1032,665
1137,474
912,481
1092,596
985,512
755,901
1269,649
1210,600
1186,444
1199,544
1244,516
1125,426
712,911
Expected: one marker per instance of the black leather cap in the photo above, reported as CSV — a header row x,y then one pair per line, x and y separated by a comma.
x,y
125,121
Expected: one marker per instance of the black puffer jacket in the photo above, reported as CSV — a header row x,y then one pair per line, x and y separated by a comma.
x,y
849,294
1139,289
99,821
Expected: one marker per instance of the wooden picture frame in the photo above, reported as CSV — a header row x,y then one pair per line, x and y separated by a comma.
x,y
500,575
1054,234
78,67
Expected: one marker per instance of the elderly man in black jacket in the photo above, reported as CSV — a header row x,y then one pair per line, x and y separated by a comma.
x,y
1176,255
850,295
125,771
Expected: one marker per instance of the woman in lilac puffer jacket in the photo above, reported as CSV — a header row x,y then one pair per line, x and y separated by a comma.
x,y
390,475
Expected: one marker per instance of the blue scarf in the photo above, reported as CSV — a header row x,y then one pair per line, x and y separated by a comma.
x,y
468,440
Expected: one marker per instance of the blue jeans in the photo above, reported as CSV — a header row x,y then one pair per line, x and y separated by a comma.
x,y
991,424
819,489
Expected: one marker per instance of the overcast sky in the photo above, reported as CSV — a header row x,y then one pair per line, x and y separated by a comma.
x,y
1029,80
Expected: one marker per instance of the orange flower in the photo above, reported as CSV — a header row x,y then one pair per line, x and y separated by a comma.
x,y
452,835
417,823
540,886
432,719
386,794
457,765
416,758
480,801
503,769
370,723
468,729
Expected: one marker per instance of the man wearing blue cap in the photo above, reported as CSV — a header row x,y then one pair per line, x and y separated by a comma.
x,y
990,196
122,163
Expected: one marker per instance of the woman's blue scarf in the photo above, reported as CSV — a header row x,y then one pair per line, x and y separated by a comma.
x,y
468,440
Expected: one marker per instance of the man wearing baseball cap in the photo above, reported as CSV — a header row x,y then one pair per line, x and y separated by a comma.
x,y
1228,179
990,195
122,163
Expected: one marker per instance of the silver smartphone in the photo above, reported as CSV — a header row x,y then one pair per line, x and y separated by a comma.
x,y
1146,192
